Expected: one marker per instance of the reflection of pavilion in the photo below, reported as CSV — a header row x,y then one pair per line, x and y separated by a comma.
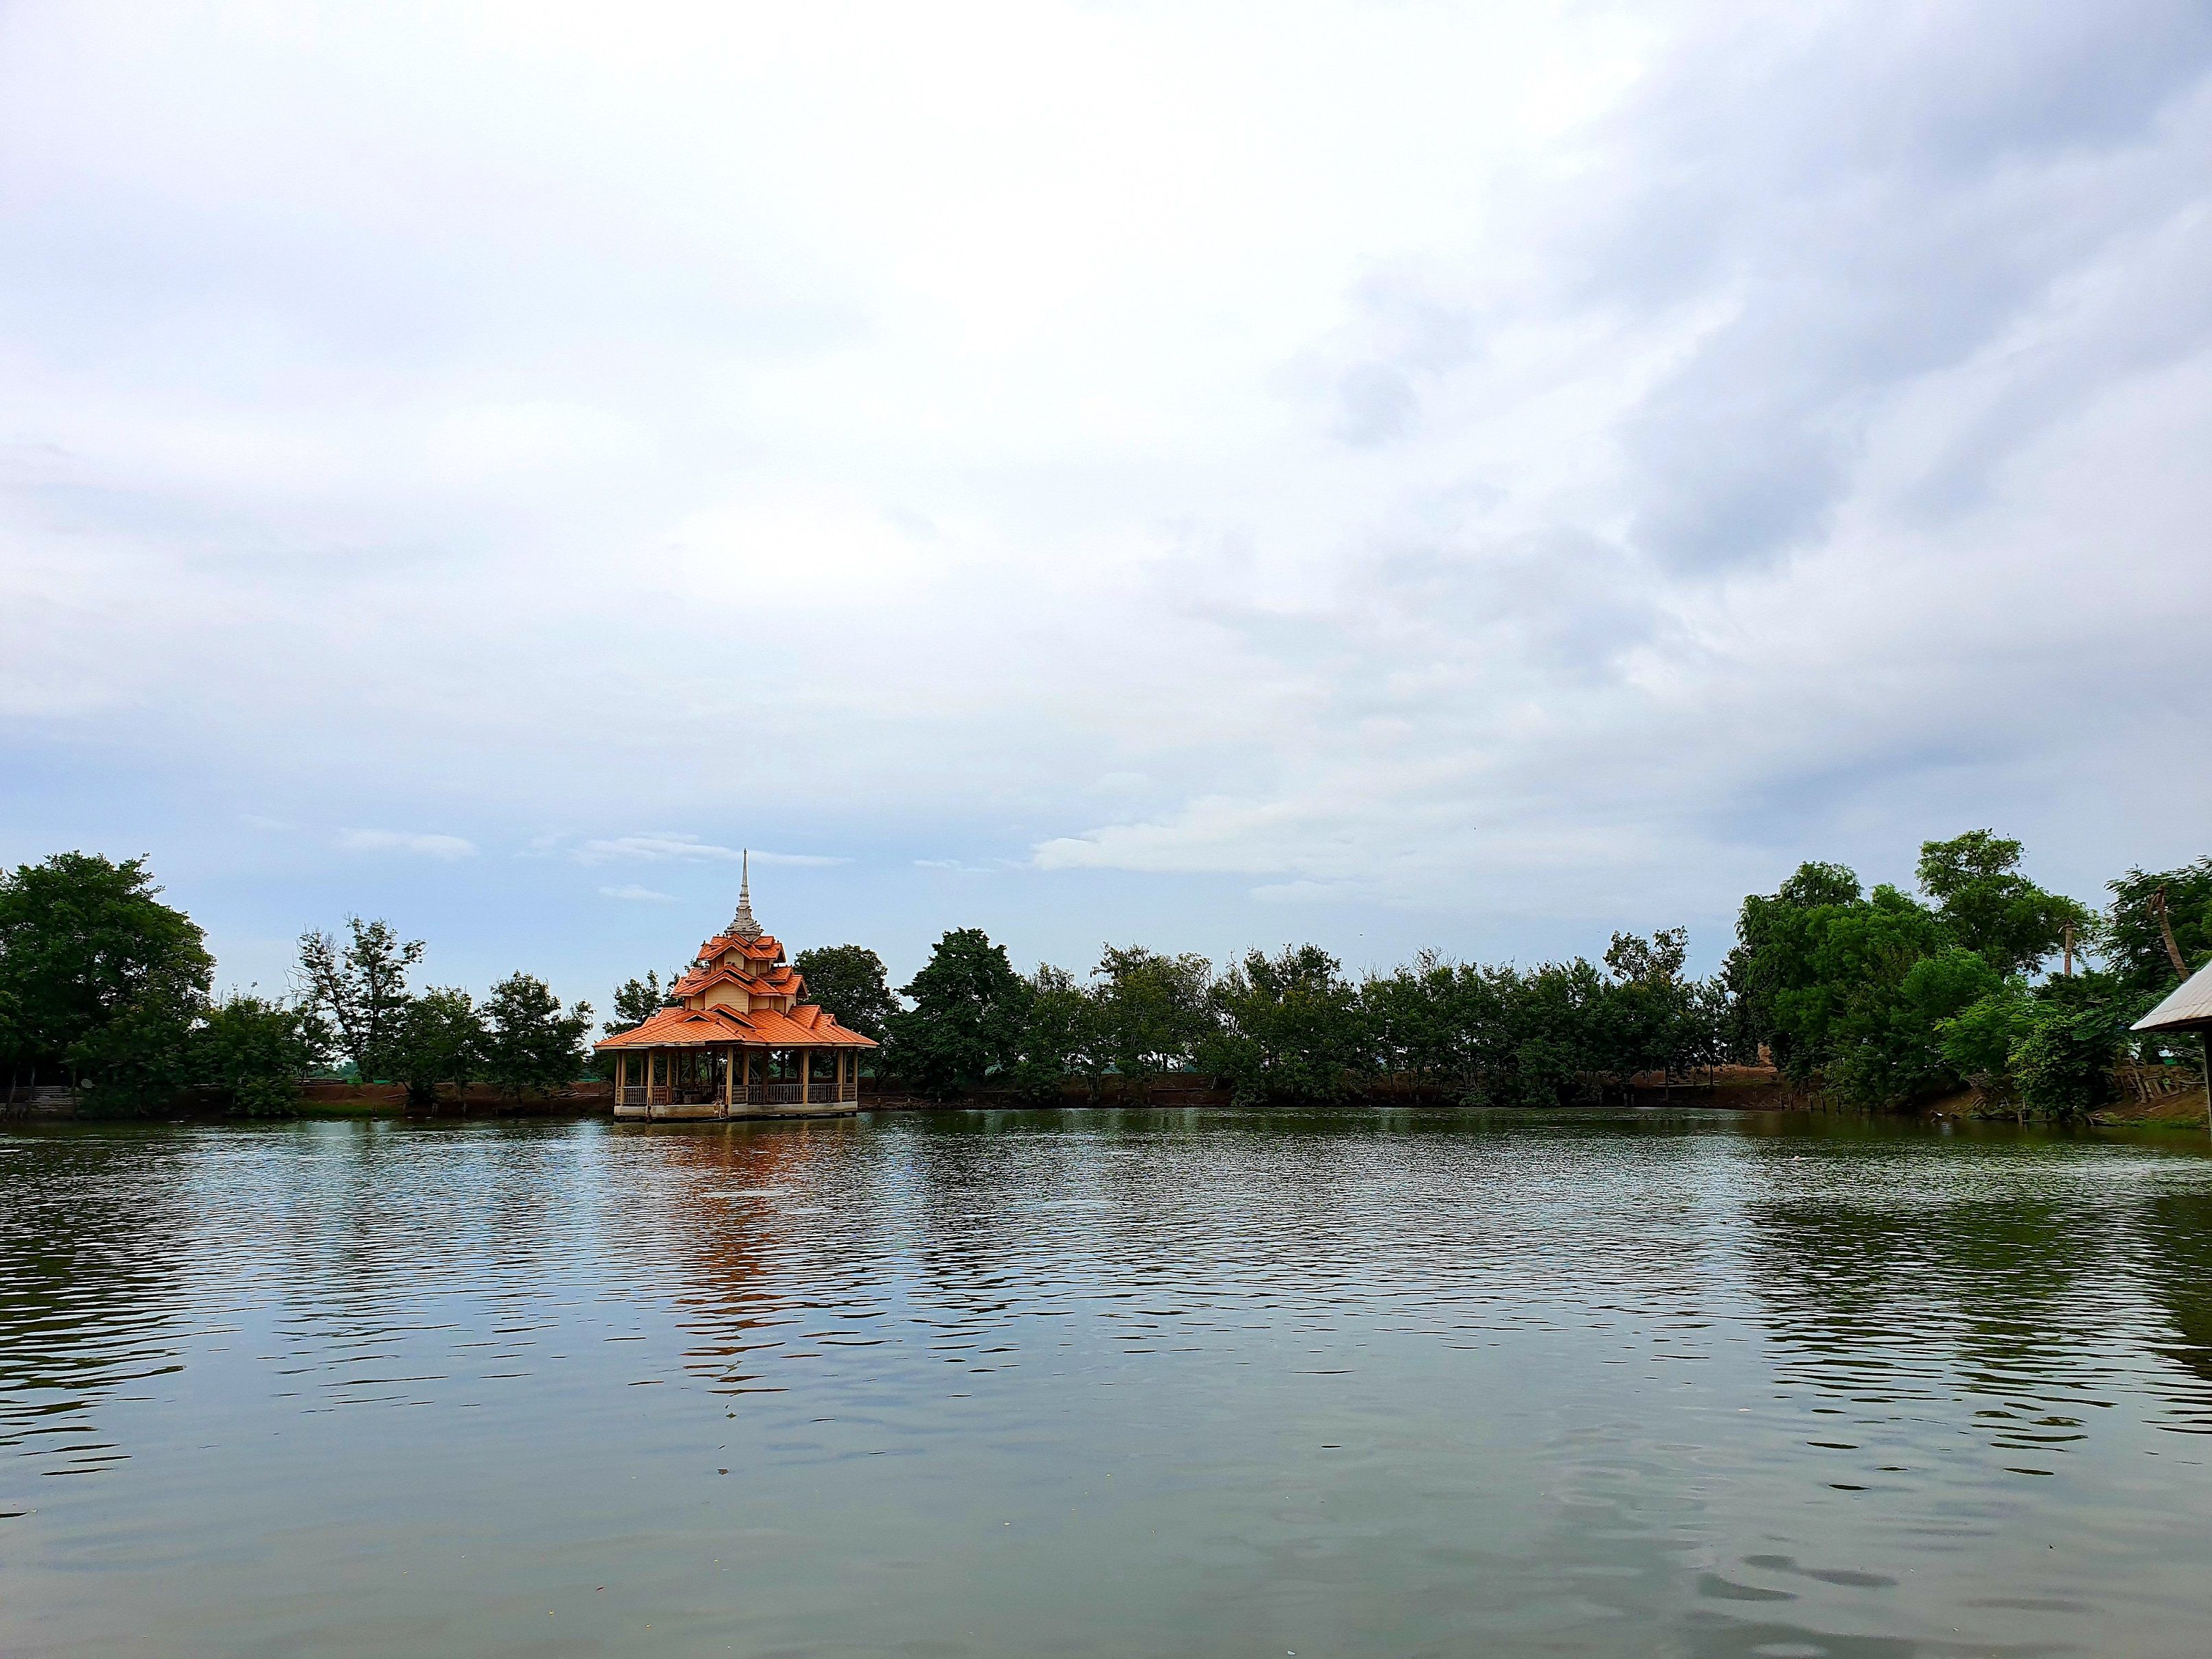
x,y
735,1040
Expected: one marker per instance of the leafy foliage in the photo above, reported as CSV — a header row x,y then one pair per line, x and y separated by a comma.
x,y
442,1040
255,1052
1059,1037
969,1019
361,987
1150,1011
530,1045
635,1001
99,982
2130,939
847,980
1989,908
1287,1027
2063,1052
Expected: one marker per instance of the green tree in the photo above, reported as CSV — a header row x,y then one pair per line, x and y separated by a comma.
x,y
442,1039
2133,943
1772,959
1152,1010
1831,983
1645,1020
1060,1036
1287,1027
1412,1019
361,987
847,980
85,944
1989,908
142,1057
1548,1044
255,1052
970,1010
635,1001
530,1044
2064,1055
1978,1042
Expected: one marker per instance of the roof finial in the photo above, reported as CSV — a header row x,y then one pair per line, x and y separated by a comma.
x,y
742,925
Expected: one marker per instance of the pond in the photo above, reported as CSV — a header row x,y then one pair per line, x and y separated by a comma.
x,y
1203,1383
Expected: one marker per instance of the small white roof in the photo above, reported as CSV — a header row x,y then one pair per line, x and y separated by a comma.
x,y
2189,1009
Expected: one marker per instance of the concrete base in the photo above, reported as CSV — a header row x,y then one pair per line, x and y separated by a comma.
x,y
715,1112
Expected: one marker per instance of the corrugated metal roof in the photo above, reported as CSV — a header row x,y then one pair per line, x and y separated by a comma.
x,y
2189,1009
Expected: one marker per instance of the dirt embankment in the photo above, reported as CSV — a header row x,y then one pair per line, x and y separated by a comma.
x,y
390,1100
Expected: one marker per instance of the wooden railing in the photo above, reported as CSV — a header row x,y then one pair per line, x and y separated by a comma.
x,y
816,1091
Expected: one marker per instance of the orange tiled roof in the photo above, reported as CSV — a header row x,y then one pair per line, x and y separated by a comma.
x,y
766,948
807,1026
777,982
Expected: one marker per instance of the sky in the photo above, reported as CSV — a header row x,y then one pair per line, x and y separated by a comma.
x,y
1393,475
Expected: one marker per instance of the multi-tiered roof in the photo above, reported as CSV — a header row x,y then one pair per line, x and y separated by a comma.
x,y
739,990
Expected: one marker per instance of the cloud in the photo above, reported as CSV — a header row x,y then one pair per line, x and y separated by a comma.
x,y
673,846
1514,467
402,840
641,895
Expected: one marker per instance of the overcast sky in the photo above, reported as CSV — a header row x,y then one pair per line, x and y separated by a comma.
x,y
1388,474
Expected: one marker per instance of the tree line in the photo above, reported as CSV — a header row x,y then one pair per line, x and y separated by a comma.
x,y
1878,998
108,991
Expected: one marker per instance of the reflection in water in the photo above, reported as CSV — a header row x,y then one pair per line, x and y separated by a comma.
x,y
1105,1382
91,1303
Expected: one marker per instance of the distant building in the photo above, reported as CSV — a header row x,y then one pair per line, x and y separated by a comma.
x,y
737,1038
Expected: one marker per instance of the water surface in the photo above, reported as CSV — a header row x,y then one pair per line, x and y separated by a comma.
x,y
1105,1383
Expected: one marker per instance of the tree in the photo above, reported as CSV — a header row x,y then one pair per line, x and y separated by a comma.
x,y
530,1044
142,1058
1152,1010
86,943
1646,1015
1060,1036
442,1039
1989,908
635,1001
2064,1055
1410,1019
1773,956
1977,1040
1286,1027
847,981
255,1052
361,987
1833,984
2131,936
970,1011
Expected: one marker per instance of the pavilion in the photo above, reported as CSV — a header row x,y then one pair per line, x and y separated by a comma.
x,y
2188,1009
736,1040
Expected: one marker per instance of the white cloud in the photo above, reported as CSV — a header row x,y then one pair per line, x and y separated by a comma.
x,y
641,895
1484,460
405,841
668,845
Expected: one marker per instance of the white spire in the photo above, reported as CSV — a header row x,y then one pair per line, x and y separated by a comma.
x,y
742,925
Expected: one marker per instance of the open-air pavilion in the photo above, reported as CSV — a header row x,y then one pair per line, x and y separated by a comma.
x,y
736,1040
2189,1009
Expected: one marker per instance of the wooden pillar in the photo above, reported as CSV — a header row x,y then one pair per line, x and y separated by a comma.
x,y
805,1056
729,1080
